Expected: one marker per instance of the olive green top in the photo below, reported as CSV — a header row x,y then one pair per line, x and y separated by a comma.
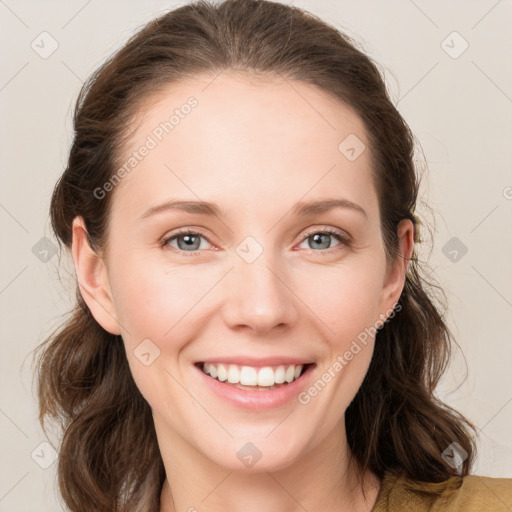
x,y
469,494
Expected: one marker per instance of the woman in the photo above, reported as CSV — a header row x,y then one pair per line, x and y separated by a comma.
x,y
252,330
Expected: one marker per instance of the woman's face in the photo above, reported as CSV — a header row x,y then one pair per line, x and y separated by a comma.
x,y
259,283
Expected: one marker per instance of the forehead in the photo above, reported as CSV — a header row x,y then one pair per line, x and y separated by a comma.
x,y
243,134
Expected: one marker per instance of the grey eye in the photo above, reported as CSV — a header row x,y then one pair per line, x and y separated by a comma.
x,y
187,241
190,242
321,240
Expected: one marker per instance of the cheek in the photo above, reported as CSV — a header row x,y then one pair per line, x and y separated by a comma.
x,y
152,303
137,295
151,298
344,299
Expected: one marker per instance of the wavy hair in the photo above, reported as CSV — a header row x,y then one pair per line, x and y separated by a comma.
x,y
109,457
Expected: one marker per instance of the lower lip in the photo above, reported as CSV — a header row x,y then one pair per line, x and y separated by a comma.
x,y
257,400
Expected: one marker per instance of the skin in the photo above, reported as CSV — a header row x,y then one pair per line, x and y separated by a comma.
x,y
255,147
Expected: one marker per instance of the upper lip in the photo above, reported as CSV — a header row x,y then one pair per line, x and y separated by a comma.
x,y
257,362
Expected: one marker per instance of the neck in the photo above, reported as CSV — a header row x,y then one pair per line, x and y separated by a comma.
x,y
323,479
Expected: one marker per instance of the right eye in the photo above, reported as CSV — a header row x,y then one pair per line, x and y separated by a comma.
x,y
186,241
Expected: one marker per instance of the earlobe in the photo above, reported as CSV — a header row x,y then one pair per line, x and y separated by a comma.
x,y
92,278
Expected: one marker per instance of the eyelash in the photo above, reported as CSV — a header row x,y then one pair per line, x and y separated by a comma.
x,y
343,239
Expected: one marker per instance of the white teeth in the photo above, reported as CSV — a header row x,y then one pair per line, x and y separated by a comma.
x,y
222,373
279,375
266,377
233,374
250,376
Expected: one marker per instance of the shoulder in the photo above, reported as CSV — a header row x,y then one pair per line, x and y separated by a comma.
x,y
482,493
469,494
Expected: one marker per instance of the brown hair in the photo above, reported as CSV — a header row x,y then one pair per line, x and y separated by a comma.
x,y
109,458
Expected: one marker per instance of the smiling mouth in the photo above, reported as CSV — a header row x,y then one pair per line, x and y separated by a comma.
x,y
250,378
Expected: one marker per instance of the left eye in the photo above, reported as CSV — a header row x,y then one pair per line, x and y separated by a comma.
x,y
322,239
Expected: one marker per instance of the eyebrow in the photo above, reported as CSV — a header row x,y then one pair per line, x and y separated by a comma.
x,y
301,209
200,207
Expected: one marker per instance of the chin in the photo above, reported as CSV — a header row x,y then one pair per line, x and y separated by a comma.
x,y
257,454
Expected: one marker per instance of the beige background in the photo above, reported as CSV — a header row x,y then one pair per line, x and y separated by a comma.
x,y
459,107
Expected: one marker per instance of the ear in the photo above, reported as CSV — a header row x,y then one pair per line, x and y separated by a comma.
x,y
92,277
396,273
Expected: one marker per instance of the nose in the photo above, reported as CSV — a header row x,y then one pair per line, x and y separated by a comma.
x,y
258,297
